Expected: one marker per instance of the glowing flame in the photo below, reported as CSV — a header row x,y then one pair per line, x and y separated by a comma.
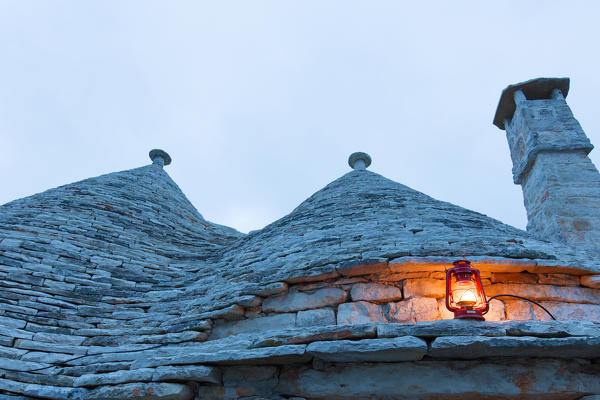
x,y
467,299
465,292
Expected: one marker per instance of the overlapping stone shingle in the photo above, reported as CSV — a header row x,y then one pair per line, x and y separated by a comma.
x,y
109,286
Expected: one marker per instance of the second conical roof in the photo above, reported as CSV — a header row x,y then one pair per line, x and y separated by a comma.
x,y
363,215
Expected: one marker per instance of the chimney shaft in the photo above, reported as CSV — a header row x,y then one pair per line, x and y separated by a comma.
x,y
561,185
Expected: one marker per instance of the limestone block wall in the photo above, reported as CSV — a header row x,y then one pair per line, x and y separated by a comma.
x,y
409,297
451,359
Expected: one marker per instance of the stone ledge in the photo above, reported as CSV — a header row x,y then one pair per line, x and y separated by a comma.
x,y
406,348
551,328
494,264
472,347
314,334
285,354
445,327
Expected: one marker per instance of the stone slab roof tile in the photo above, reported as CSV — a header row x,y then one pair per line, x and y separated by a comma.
x,y
364,215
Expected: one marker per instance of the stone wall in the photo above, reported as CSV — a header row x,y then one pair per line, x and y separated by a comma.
x,y
59,344
428,360
116,288
409,297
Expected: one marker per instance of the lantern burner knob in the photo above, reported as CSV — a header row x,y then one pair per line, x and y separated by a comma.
x,y
159,157
359,160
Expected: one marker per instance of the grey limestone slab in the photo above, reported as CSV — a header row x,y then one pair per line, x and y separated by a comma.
x,y
448,327
405,348
472,347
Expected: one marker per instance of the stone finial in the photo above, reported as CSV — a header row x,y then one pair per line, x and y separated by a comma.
x,y
359,160
159,157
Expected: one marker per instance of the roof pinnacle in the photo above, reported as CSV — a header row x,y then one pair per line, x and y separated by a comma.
x,y
159,157
359,160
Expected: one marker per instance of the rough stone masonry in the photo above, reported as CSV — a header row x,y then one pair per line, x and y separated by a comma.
x,y
116,287
561,185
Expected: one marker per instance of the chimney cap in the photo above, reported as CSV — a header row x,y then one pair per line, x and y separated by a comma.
x,y
354,159
534,89
156,154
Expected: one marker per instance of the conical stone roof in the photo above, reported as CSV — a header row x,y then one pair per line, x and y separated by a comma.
x,y
364,216
134,225
117,279
134,231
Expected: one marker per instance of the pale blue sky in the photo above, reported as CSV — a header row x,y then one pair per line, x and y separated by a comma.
x,y
260,102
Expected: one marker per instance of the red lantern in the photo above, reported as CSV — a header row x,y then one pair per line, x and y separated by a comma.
x,y
464,293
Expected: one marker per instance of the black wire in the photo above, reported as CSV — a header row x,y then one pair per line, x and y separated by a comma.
x,y
63,363
522,298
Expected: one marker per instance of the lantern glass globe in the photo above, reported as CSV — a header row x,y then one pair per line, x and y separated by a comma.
x,y
465,293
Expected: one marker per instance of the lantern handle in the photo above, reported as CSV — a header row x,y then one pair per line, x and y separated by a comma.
x,y
522,298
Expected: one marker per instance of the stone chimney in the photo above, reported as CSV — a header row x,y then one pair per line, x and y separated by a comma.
x,y
561,185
